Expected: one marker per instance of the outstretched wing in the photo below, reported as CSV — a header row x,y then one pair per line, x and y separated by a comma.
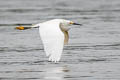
x,y
53,40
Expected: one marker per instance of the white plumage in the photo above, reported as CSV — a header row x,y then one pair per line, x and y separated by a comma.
x,y
53,39
54,34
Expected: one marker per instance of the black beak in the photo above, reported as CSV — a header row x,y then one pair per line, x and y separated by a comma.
x,y
77,24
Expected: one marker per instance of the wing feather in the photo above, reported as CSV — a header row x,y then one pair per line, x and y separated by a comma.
x,y
53,40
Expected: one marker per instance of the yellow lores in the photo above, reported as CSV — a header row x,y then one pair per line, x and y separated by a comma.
x,y
54,35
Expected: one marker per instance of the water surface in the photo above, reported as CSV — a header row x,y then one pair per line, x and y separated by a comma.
x,y
93,52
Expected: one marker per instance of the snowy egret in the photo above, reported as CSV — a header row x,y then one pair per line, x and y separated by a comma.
x,y
54,35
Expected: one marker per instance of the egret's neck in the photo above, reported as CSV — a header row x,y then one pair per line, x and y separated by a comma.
x,y
64,27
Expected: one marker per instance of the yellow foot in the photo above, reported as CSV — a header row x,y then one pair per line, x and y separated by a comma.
x,y
22,28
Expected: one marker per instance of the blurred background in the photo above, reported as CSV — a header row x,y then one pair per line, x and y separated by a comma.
x,y
93,52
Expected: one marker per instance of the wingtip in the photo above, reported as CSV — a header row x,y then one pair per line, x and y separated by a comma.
x,y
56,60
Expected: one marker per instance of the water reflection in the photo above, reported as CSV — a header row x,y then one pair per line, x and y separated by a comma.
x,y
56,73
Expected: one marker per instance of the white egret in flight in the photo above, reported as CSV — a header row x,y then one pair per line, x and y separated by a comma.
x,y
54,35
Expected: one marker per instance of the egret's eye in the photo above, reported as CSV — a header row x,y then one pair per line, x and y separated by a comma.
x,y
71,22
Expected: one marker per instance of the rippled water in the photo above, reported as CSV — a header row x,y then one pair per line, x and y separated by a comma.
x,y
93,52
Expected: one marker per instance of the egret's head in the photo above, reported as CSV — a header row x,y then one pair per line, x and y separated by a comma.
x,y
66,24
